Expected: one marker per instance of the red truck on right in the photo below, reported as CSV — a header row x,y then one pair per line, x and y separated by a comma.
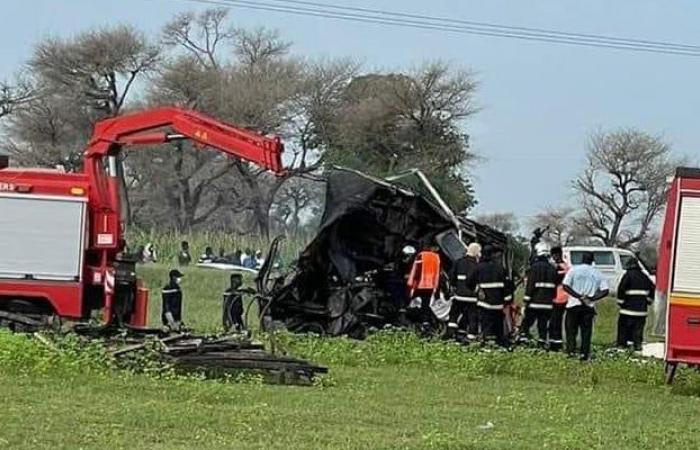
x,y
678,271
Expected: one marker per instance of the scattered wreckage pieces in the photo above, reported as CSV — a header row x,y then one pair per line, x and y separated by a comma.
x,y
351,277
219,355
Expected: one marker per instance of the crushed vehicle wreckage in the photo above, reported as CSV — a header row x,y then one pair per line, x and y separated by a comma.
x,y
351,277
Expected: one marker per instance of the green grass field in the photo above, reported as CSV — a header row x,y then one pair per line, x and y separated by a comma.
x,y
392,391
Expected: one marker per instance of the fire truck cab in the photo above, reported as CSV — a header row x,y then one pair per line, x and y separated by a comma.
x,y
678,271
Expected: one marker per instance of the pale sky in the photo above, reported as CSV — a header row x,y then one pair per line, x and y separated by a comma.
x,y
539,101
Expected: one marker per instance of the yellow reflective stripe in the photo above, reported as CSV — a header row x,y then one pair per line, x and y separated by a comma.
x,y
461,298
685,300
545,285
491,285
169,291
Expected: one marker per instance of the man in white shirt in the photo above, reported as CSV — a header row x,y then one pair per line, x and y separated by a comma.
x,y
585,286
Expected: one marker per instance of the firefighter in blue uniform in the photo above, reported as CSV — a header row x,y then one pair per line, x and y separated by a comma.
x,y
634,293
171,311
496,293
540,291
464,313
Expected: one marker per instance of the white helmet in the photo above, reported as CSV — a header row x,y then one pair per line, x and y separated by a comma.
x,y
409,250
542,249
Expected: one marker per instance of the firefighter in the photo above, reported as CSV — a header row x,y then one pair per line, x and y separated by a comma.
x,y
539,295
634,295
556,335
424,282
464,314
585,286
171,314
494,286
233,304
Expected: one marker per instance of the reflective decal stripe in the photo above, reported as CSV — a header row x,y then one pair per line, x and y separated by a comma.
x,y
545,285
461,277
539,306
637,292
508,298
556,341
526,298
629,312
451,325
491,285
168,291
460,298
489,306
620,302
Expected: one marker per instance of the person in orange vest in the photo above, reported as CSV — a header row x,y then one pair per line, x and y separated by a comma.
x,y
424,282
556,335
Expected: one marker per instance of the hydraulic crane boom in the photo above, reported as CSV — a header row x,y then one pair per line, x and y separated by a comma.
x,y
133,129
152,127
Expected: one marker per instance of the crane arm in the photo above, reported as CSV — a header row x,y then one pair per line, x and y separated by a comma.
x,y
147,128
153,127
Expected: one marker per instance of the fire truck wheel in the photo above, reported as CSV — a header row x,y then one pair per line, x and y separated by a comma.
x,y
670,372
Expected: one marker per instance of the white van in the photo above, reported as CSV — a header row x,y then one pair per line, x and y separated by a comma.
x,y
609,260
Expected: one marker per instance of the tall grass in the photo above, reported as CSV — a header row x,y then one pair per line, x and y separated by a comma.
x,y
167,244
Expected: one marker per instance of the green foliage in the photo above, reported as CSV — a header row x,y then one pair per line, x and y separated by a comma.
x,y
392,391
66,356
407,350
387,124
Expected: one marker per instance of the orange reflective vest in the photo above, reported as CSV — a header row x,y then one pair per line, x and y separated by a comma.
x,y
562,297
425,273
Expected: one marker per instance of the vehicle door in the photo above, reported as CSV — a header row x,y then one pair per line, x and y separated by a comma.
x,y
606,262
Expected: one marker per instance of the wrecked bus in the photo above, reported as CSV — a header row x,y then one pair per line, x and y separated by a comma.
x,y
349,278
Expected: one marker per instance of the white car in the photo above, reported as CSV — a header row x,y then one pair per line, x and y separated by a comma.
x,y
609,260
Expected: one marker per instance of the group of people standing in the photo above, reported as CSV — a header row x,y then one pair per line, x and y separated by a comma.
x,y
481,292
559,300
246,258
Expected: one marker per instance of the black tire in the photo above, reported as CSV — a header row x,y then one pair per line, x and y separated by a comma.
x,y
670,372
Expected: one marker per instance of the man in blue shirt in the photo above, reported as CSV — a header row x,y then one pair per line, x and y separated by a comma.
x,y
585,286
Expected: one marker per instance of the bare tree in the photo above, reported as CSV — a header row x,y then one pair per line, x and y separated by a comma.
x,y
201,35
560,223
100,66
248,78
623,187
78,81
505,222
298,204
12,97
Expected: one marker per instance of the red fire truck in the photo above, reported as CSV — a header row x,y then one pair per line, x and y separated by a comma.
x,y
62,234
678,271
